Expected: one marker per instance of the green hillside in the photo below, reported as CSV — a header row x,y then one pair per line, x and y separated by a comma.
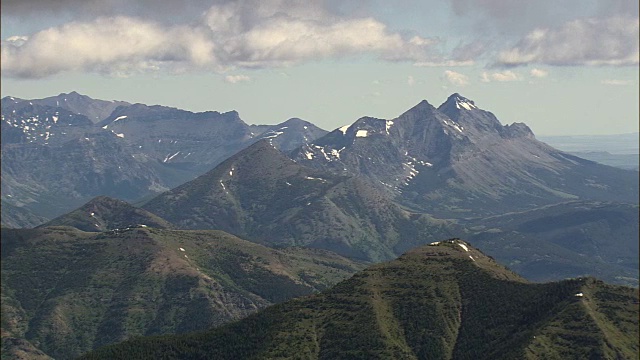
x,y
65,291
103,213
442,301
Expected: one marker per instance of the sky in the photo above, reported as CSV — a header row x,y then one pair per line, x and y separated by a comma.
x,y
562,67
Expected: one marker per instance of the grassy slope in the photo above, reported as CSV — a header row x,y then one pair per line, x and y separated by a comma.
x,y
434,302
67,291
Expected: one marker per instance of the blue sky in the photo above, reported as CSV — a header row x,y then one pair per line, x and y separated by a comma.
x,y
565,68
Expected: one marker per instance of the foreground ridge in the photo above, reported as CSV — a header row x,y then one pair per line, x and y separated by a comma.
x,y
445,300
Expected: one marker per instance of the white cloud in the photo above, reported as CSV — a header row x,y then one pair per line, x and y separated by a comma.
x,y
108,45
503,76
616,82
234,79
456,78
610,41
411,81
444,63
230,35
538,73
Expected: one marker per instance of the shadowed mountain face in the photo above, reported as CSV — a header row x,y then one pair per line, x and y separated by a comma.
x,y
261,195
65,291
458,160
444,301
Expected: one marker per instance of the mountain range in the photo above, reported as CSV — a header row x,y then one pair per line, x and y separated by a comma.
x,y
154,220
61,151
446,300
370,190
458,160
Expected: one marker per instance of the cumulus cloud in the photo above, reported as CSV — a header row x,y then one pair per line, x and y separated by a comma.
x,y
229,35
610,41
234,79
503,76
456,78
107,45
616,82
538,73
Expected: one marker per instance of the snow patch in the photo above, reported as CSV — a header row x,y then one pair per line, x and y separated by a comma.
x,y
471,257
120,118
181,249
388,125
143,225
309,155
119,135
464,247
362,133
454,125
465,104
312,178
276,133
344,129
435,243
579,295
168,158
92,214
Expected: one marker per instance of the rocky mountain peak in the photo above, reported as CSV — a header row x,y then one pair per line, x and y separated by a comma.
x,y
421,107
456,103
518,130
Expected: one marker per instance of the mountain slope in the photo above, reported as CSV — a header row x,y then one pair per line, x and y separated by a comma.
x,y
174,136
261,195
459,160
48,180
564,240
103,214
19,217
444,301
65,291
